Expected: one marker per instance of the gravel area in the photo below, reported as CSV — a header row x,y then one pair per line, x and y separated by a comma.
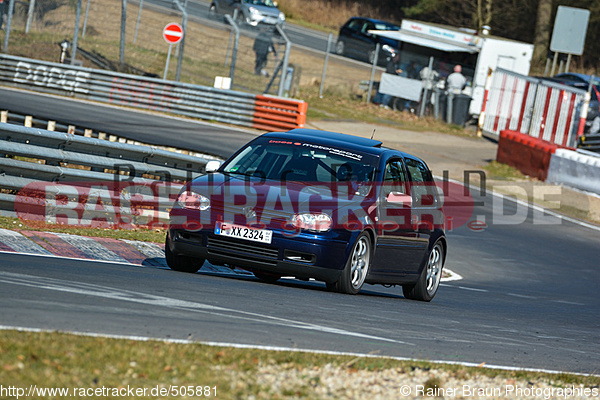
x,y
289,381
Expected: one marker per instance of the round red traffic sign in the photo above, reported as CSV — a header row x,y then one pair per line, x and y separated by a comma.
x,y
173,33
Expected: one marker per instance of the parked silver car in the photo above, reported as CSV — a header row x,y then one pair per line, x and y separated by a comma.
x,y
251,12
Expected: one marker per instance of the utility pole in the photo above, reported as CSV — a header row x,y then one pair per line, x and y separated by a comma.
x,y
122,47
76,33
137,24
11,7
184,18
87,10
30,15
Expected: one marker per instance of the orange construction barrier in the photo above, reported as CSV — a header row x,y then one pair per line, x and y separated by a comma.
x,y
276,114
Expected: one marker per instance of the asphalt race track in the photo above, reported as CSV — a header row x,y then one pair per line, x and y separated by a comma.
x,y
528,298
136,125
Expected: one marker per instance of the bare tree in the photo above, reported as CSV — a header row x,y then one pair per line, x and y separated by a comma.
x,y
484,13
541,38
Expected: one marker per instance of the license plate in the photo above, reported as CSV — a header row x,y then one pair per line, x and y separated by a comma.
x,y
243,232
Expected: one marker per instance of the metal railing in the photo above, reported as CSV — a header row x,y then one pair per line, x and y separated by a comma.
x,y
221,105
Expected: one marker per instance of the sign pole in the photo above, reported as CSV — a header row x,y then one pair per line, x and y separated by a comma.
x,y
554,63
167,64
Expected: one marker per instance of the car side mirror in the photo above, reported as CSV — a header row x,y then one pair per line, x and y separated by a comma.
x,y
399,198
212,166
427,200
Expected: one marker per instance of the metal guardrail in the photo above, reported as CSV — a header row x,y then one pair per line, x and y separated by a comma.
x,y
228,106
589,142
62,177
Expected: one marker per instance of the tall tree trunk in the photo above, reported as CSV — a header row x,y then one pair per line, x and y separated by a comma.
x,y
541,39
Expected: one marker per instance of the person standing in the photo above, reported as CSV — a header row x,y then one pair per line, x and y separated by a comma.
x,y
392,68
456,81
263,45
429,77
595,128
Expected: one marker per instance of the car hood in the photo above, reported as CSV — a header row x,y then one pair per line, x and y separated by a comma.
x,y
237,196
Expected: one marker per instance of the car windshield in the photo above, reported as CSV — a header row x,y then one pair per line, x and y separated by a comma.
x,y
297,160
267,3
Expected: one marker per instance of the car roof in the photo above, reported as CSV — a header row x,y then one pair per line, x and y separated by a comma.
x,y
576,75
583,77
339,137
374,20
342,140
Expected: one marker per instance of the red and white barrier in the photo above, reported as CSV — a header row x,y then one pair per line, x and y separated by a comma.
x,y
538,108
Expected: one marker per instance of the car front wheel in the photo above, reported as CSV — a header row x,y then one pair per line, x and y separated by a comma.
x,y
371,56
429,280
182,263
340,47
357,267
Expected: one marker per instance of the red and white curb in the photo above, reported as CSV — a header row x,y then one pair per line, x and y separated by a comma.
x,y
108,250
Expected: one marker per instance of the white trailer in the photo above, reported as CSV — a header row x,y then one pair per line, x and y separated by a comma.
x,y
419,41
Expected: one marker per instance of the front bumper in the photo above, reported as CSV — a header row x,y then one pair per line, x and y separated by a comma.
x,y
305,255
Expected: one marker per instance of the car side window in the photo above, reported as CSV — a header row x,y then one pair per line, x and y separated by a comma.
x,y
367,27
394,178
355,25
422,183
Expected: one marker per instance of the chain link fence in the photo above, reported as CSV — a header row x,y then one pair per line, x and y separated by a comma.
x,y
210,48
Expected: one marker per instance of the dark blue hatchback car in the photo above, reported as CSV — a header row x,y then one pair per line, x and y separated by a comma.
x,y
354,40
315,205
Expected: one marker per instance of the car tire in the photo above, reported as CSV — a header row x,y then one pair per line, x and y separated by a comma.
x,y
340,48
371,56
429,280
182,263
357,267
267,277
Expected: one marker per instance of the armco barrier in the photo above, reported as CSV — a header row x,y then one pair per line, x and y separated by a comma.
x,y
48,174
529,155
270,113
536,107
578,169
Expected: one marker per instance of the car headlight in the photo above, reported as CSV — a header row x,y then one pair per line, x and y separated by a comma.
x,y
193,201
253,10
317,222
281,16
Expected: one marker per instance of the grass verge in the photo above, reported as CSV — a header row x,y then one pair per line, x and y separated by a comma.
x,y
52,359
501,171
